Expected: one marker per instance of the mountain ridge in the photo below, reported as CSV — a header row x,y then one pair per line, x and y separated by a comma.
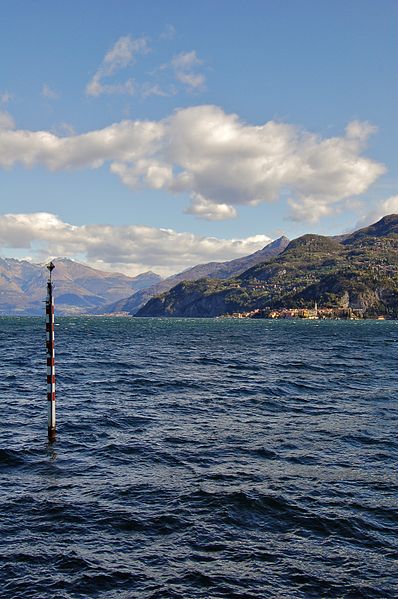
x,y
360,272
79,287
221,270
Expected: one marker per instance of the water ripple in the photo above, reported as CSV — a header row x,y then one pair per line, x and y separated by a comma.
x,y
200,458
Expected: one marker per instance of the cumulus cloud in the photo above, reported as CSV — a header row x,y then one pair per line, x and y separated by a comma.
x,y
128,141
309,210
185,67
122,54
217,159
203,208
130,249
48,93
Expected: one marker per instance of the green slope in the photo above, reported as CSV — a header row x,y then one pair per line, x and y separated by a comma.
x,y
360,272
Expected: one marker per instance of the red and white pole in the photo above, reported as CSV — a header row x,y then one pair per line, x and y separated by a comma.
x,y
50,356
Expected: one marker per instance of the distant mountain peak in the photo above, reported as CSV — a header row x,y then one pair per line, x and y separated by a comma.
x,y
79,288
216,270
278,242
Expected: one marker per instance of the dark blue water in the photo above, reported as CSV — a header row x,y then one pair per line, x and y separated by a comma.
x,y
200,458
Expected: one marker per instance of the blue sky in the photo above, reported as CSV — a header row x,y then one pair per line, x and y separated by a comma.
x,y
230,123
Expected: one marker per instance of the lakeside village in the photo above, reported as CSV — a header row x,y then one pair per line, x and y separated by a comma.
x,y
314,313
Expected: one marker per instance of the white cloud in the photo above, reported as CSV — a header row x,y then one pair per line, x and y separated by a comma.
x,y
358,130
185,65
154,89
6,121
122,54
186,61
383,208
208,154
309,210
192,80
127,141
96,88
48,93
203,208
130,249
389,206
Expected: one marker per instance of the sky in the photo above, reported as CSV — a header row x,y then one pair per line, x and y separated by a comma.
x,y
154,135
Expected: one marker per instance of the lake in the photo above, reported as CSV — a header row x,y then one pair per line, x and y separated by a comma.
x,y
199,458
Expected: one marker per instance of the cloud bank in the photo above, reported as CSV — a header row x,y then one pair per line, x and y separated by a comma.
x,y
213,157
130,249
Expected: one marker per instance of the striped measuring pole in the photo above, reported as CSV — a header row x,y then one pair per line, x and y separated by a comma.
x,y
50,356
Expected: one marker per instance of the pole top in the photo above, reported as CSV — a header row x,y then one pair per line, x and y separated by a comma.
x,y
50,267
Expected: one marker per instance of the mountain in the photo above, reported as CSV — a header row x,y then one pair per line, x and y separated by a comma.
x,y
237,266
358,272
216,270
385,227
78,288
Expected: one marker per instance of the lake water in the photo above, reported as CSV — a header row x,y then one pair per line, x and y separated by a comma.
x,y
200,458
